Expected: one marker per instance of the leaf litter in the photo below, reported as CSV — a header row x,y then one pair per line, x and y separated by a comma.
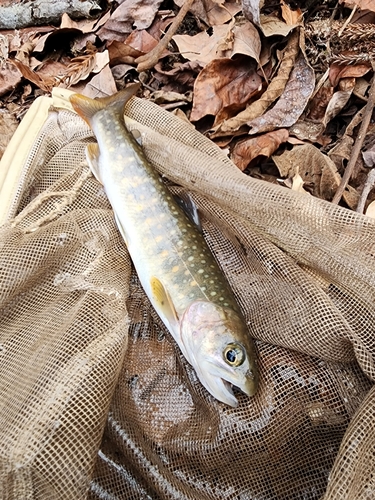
x,y
285,88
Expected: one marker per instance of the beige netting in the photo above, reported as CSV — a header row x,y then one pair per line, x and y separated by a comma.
x,y
95,397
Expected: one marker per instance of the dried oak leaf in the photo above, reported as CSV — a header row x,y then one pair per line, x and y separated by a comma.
x,y
45,83
179,79
130,14
361,4
337,103
120,52
274,90
202,47
339,71
8,125
316,170
213,12
10,77
224,87
292,102
264,145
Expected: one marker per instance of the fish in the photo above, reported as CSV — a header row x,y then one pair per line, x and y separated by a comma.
x,y
176,268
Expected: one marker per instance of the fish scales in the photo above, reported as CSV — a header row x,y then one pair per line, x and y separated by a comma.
x,y
163,236
176,267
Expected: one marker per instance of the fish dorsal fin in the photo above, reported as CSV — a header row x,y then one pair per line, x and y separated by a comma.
x,y
92,157
87,107
186,202
163,301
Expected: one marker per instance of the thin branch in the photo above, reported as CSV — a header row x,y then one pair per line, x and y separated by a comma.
x,y
367,113
149,60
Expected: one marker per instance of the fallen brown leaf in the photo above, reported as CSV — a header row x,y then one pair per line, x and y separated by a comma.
x,y
8,125
292,102
129,14
44,83
316,169
212,12
223,87
202,47
10,77
338,71
274,90
264,145
181,78
120,52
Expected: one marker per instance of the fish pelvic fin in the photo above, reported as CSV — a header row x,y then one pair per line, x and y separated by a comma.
x,y
87,107
163,301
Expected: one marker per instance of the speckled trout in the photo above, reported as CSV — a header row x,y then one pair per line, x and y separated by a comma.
x,y
175,266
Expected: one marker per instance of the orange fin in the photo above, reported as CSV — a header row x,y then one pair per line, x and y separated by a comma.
x,y
87,107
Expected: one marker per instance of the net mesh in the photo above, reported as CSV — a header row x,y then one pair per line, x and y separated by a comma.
x,y
97,401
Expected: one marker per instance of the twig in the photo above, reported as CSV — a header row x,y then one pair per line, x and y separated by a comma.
x,y
149,60
347,21
369,184
358,143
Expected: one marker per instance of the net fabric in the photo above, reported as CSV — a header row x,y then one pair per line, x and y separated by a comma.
x,y
97,400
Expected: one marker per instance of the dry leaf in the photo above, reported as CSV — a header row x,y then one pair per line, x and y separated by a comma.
x,y
212,12
8,125
316,169
224,86
369,156
319,103
292,102
272,26
10,77
202,47
361,4
338,71
336,104
44,83
120,52
132,13
251,10
297,184
291,17
265,145
246,40
274,90
141,41
101,85
181,78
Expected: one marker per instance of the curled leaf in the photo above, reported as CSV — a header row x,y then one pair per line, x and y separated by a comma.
x,y
224,86
264,145
292,102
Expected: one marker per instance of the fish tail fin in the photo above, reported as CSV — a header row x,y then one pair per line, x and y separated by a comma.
x,y
87,107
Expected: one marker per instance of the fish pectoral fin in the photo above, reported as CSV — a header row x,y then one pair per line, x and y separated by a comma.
x,y
92,157
186,202
164,301
121,229
137,136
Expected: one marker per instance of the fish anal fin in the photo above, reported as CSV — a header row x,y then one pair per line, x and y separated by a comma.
x,y
163,301
121,229
92,157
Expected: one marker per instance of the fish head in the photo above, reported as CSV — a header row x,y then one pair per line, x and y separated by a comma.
x,y
218,346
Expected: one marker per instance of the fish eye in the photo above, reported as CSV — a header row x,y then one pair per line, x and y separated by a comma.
x,y
234,354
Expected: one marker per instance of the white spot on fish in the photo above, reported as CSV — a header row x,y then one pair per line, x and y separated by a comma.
x,y
200,271
190,258
213,294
